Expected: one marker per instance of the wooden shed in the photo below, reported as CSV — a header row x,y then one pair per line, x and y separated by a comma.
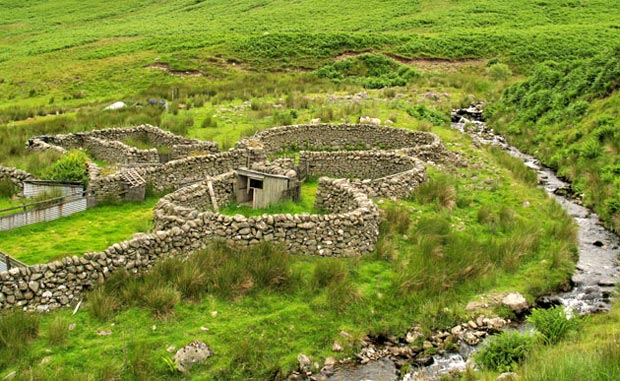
x,y
261,189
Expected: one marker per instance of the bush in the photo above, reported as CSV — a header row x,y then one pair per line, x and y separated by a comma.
x,y
7,188
373,71
499,72
503,352
70,167
553,324
423,113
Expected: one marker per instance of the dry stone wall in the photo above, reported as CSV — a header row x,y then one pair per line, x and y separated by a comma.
x,y
421,144
185,220
377,173
177,173
16,176
350,229
108,144
61,283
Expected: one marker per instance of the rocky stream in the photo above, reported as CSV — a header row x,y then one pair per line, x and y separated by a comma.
x,y
597,273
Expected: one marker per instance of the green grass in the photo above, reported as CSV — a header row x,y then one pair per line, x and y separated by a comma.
x,y
259,64
105,51
92,230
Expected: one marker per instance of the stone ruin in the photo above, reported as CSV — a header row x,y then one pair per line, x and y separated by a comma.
x,y
354,162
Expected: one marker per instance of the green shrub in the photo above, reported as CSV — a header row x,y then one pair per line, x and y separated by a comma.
x,y
552,323
499,72
373,71
17,329
423,113
503,352
7,188
70,167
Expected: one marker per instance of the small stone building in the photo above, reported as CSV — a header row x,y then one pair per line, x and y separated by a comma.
x,y
260,189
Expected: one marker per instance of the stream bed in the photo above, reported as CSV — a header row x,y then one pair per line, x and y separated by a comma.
x,y
596,274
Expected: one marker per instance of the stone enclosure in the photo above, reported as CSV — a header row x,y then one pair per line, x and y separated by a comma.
x,y
354,162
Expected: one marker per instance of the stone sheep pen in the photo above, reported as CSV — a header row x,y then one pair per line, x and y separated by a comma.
x,y
354,162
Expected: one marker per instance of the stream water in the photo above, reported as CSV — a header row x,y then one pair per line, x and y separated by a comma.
x,y
597,271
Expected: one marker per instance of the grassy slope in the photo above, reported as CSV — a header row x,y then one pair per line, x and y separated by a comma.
x,y
103,48
567,115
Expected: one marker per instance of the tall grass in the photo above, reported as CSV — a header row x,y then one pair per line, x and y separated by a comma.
x,y
58,331
441,190
17,330
226,271
514,165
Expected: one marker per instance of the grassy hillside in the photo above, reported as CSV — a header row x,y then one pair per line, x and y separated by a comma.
x,y
567,114
77,51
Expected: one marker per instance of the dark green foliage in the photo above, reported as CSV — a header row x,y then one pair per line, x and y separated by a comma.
x,y
553,324
505,351
566,113
373,71
422,112
7,188
70,167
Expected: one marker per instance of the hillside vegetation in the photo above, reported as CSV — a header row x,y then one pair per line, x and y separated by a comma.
x,y
73,51
547,69
568,115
